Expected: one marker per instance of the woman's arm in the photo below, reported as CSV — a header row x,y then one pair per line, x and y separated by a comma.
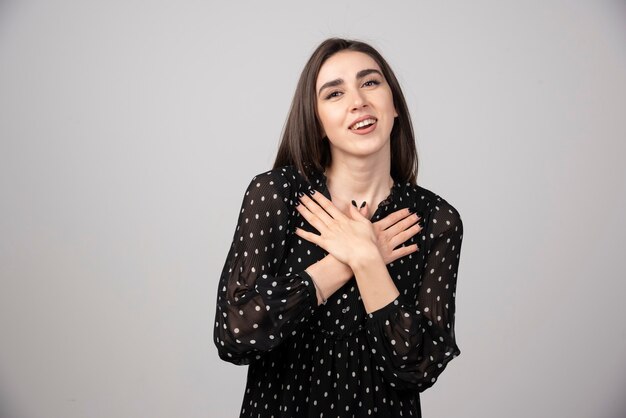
x,y
391,231
413,340
364,248
257,307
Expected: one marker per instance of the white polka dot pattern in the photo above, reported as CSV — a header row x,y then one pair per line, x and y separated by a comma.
x,y
334,360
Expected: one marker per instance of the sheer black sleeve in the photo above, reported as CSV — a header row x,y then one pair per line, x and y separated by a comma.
x,y
413,340
257,307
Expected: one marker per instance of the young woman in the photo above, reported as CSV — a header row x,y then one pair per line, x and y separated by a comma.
x,y
339,286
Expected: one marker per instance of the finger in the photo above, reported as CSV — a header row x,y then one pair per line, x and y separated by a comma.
x,y
403,251
363,211
309,236
327,205
315,209
403,224
356,214
404,235
311,217
392,218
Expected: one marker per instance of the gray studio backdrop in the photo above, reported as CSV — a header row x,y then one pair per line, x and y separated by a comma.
x,y
130,129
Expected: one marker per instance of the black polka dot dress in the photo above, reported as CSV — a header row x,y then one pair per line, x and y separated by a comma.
x,y
334,360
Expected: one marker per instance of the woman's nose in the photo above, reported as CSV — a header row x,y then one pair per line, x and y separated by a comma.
x,y
358,100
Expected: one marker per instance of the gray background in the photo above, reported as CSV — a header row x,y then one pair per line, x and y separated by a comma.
x,y
130,129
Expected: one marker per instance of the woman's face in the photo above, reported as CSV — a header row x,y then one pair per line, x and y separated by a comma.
x,y
351,88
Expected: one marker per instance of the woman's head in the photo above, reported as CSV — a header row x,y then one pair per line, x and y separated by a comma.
x,y
305,140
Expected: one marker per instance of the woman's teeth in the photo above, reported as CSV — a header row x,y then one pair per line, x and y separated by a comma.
x,y
363,123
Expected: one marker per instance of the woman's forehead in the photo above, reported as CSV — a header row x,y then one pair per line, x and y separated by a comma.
x,y
345,65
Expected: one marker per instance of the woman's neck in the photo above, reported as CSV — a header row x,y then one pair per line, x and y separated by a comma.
x,y
359,180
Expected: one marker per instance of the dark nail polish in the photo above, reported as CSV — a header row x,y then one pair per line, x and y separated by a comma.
x,y
297,202
363,204
300,194
354,203
312,192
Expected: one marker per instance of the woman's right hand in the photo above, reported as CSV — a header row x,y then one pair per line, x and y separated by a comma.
x,y
393,230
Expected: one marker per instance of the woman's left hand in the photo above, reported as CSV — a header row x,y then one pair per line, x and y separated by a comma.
x,y
348,238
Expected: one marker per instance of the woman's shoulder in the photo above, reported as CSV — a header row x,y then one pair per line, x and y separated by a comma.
x,y
286,171
285,181
432,204
286,177
280,174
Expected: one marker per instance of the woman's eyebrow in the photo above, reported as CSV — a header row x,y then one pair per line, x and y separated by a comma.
x,y
339,81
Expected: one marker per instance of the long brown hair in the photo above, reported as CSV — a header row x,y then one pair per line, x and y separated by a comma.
x,y
302,143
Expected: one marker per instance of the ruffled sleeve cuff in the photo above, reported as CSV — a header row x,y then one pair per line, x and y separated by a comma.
x,y
307,280
384,312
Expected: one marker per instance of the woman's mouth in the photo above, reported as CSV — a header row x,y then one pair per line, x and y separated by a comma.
x,y
364,126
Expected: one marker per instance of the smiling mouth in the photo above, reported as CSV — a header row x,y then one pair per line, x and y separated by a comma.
x,y
363,124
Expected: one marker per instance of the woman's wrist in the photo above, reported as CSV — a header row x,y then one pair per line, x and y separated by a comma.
x,y
363,256
328,275
375,284
321,300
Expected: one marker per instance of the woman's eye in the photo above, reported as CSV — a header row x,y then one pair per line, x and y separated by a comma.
x,y
369,83
373,82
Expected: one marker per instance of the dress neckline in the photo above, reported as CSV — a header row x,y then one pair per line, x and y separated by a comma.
x,y
322,181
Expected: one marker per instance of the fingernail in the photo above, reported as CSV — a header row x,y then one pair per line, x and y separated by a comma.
x,y
300,194
354,203
363,204
297,202
312,192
